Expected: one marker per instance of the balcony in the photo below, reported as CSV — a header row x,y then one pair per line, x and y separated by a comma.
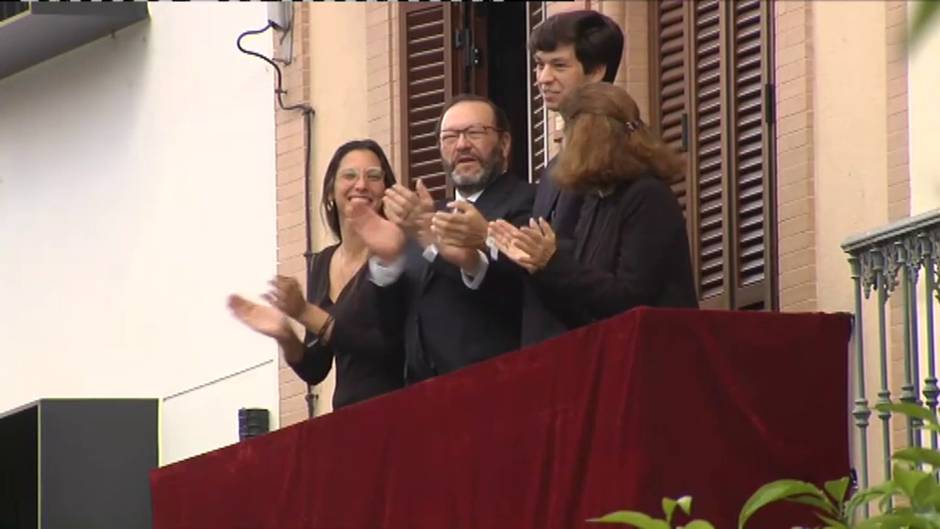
x,y
894,269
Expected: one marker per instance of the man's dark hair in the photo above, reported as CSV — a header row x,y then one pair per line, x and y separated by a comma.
x,y
597,40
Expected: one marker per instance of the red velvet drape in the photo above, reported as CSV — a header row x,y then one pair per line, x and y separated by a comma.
x,y
613,416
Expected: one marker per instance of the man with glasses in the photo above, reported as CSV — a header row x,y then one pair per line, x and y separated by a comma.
x,y
452,320
569,49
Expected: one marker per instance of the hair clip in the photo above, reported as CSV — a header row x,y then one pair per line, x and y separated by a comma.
x,y
632,126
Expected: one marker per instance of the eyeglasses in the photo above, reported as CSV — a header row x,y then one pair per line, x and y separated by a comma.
x,y
474,133
373,174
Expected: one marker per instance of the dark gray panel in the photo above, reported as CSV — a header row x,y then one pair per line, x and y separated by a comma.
x,y
95,462
19,477
50,29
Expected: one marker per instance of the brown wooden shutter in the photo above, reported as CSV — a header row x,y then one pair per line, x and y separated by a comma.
x,y
537,113
708,94
707,152
750,157
427,81
669,101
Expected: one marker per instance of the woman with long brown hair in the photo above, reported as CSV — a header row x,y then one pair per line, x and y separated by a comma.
x,y
630,244
341,318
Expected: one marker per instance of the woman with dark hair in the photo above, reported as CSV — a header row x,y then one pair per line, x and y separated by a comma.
x,y
630,242
340,317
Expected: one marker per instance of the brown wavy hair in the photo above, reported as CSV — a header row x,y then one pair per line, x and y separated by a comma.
x,y
606,142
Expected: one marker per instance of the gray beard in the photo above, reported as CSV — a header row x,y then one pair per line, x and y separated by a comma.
x,y
489,173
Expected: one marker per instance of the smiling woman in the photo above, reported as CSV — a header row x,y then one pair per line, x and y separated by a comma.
x,y
338,314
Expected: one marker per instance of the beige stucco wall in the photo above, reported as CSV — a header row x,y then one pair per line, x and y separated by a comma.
x,y
923,84
337,87
850,140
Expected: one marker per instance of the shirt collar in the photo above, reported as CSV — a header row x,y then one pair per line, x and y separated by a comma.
x,y
471,198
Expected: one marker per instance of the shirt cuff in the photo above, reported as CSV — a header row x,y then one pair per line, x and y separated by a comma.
x,y
430,253
473,281
384,274
494,251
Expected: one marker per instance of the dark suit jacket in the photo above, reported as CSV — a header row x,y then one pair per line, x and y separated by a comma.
x,y
631,249
447,325
560,207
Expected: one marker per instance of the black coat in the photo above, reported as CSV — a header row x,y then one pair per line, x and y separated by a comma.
x,y
448,326
630,249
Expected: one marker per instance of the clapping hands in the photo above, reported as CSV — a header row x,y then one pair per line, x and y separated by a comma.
x,y
531,247
464,226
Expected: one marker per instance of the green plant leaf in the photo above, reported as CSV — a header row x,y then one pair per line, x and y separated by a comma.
x,y
776,491
933,500
886,521
698,524
930,427
911,410
885,501
932,518
918,456
865,496
908,479
813,501
922,493
900,519
925,13
837,488
831,523
669,505
636,519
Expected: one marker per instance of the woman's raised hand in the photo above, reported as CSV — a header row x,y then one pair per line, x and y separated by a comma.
x,y
503,234
286,296
538,241
384,239
530,246
261,318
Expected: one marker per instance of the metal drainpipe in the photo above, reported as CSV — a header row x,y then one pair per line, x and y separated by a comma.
x,y
309,113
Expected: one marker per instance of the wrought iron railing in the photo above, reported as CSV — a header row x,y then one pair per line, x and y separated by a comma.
x,y
900,258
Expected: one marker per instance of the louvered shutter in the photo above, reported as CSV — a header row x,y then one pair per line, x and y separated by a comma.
x,y
669,98
427,81
708,94
537,113
706,152
750,158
